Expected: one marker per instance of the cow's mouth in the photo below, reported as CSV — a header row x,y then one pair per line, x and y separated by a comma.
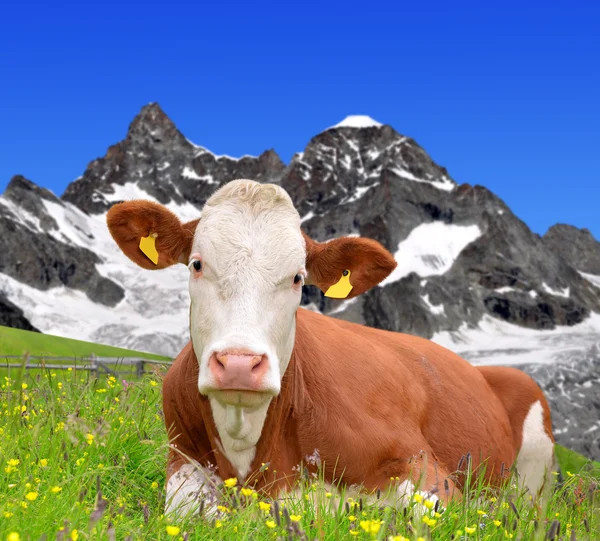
x,y
242,397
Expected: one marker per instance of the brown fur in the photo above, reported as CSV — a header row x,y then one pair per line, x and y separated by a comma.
x,y
367,260
128,222
368,400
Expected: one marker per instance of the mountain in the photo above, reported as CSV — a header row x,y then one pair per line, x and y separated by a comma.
x,y
471,275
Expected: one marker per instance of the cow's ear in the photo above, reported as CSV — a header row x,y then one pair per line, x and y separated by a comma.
x,y
348,266
150,234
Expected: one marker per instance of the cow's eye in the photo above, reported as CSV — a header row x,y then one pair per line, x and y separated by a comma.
x,y
197,265
297,278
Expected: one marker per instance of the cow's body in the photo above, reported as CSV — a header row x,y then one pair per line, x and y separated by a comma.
x,y
263,381
367,400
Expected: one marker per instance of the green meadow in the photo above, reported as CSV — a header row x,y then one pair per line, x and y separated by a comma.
x,y
84,458
19,342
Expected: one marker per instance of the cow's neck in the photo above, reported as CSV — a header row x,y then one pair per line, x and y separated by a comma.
x,y
240,429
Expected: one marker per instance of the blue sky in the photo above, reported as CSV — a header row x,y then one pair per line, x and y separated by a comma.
x,y
506,95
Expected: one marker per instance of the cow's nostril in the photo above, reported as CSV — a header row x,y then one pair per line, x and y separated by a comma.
x,y
221,365
258,365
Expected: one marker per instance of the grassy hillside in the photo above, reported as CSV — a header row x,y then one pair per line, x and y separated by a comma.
x,y
18,342
572,462
99,474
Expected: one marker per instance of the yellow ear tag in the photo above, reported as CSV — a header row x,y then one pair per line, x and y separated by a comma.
x,y
342,288
148,247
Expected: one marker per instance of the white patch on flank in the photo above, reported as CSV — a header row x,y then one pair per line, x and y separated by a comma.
x,y
431,249
536,456
187,487
433,308
533,294
562,293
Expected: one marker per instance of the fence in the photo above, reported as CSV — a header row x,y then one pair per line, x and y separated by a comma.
x,y
91,364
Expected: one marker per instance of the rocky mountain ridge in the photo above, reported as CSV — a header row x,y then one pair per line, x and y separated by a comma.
x,y
463,255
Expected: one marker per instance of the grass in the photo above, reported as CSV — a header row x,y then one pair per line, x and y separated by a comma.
x,y
84,458
19,342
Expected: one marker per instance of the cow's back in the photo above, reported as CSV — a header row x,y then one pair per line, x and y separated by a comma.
x,y
412,382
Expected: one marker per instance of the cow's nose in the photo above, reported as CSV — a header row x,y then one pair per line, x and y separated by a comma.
x,y
238,371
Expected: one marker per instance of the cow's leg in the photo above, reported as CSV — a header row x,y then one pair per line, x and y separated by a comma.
x,y
188,485
420,475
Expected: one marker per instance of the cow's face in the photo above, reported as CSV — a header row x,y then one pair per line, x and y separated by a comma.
x,y
248,260
247,268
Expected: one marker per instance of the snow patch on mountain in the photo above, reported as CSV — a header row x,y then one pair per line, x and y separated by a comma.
x,y
357,121
591,278
496,342
431,249
131,190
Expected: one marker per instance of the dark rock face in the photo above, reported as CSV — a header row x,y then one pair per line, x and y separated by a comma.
x,y
575,245
163,163
12,316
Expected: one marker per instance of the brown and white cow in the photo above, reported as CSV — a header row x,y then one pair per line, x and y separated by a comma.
x,y
264,381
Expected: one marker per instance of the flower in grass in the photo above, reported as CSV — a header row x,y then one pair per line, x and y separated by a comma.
x,y
31,496
218,524
14,462
154,484
270,524
55,489
264,506
470,529
497,522
569,473
231,482
247,491
24,386
418,498
153,383
295,518
354,532
173,530
429,521
74,535
328,494
7,514
13,536
370,526
429,504
44,462
89,438
400,538
223,509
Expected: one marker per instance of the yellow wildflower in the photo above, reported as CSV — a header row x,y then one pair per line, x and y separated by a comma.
x,y
470,529
14,462
429,504
24,386
43,462
31,496
13,536
154,484
351,517
8,514
246,491
264,506
354,532
89,438
55,489
497,522
153,383
173,530
223,509
370,526
480,512
231,482
418,498
328,494
270,524
218,524
429,521
295,518
74,535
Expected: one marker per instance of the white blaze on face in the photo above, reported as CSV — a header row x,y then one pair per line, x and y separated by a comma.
x,y
244,299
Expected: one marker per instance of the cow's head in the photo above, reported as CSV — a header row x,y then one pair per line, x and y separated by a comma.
x,y
248,260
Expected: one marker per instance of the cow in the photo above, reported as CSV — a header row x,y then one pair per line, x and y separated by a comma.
x,y
264,381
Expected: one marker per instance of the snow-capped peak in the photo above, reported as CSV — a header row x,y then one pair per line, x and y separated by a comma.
x,y
357,121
